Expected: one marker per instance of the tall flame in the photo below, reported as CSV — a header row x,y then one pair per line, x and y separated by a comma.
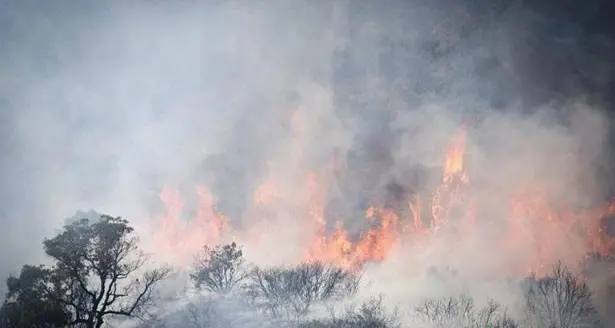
x,y
533,227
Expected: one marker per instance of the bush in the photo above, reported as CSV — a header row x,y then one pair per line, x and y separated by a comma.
x,y
290,292
219,269
370,314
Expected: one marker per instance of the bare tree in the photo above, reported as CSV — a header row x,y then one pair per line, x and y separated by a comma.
x,y
95,275
461,312
561,300
219,269
203,313
290,292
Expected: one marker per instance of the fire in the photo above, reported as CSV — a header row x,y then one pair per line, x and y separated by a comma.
x,y
266,194
454,160
373,245
534,228
448,194
180,239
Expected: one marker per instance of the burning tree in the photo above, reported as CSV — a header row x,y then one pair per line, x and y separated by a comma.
x,y
95,276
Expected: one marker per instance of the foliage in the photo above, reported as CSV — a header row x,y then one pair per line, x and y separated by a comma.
x,y
290,292
370,314
219,269
30,301
94,277
203,314
560,300
460,311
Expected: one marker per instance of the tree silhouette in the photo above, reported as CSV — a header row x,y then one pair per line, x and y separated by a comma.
x,y
599,272
460,311
95,275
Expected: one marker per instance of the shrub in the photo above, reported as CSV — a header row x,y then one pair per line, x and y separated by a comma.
x,y
290,292
561,300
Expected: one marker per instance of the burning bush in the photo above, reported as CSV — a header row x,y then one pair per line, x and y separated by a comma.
x,y
290,292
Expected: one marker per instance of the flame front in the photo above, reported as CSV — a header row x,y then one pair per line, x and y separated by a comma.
x,y
533,228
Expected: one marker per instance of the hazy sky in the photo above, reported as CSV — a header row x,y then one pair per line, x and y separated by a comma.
x,y
102,102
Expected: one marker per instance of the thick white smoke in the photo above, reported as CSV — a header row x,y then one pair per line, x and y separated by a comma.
x,y
105,103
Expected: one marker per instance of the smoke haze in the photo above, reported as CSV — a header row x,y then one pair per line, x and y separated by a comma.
x,y
103,104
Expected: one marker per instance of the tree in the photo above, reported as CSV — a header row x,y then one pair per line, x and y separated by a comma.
x,y
561,300
28,302
460,311
599,273
290,292
95,276
219,269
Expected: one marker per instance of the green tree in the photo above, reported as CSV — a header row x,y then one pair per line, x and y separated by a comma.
x,y
98,272
461,311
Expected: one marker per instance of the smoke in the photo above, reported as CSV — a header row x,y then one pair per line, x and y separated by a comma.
x,y
103,104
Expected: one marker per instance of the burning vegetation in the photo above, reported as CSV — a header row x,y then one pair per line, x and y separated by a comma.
x,y
537,231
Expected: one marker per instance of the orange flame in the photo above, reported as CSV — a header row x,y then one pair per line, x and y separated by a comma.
x,y
179,239
534,228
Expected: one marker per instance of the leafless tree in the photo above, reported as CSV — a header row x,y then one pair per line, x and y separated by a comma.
x,y
219,269
290,292
561,300
599,272
461,312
